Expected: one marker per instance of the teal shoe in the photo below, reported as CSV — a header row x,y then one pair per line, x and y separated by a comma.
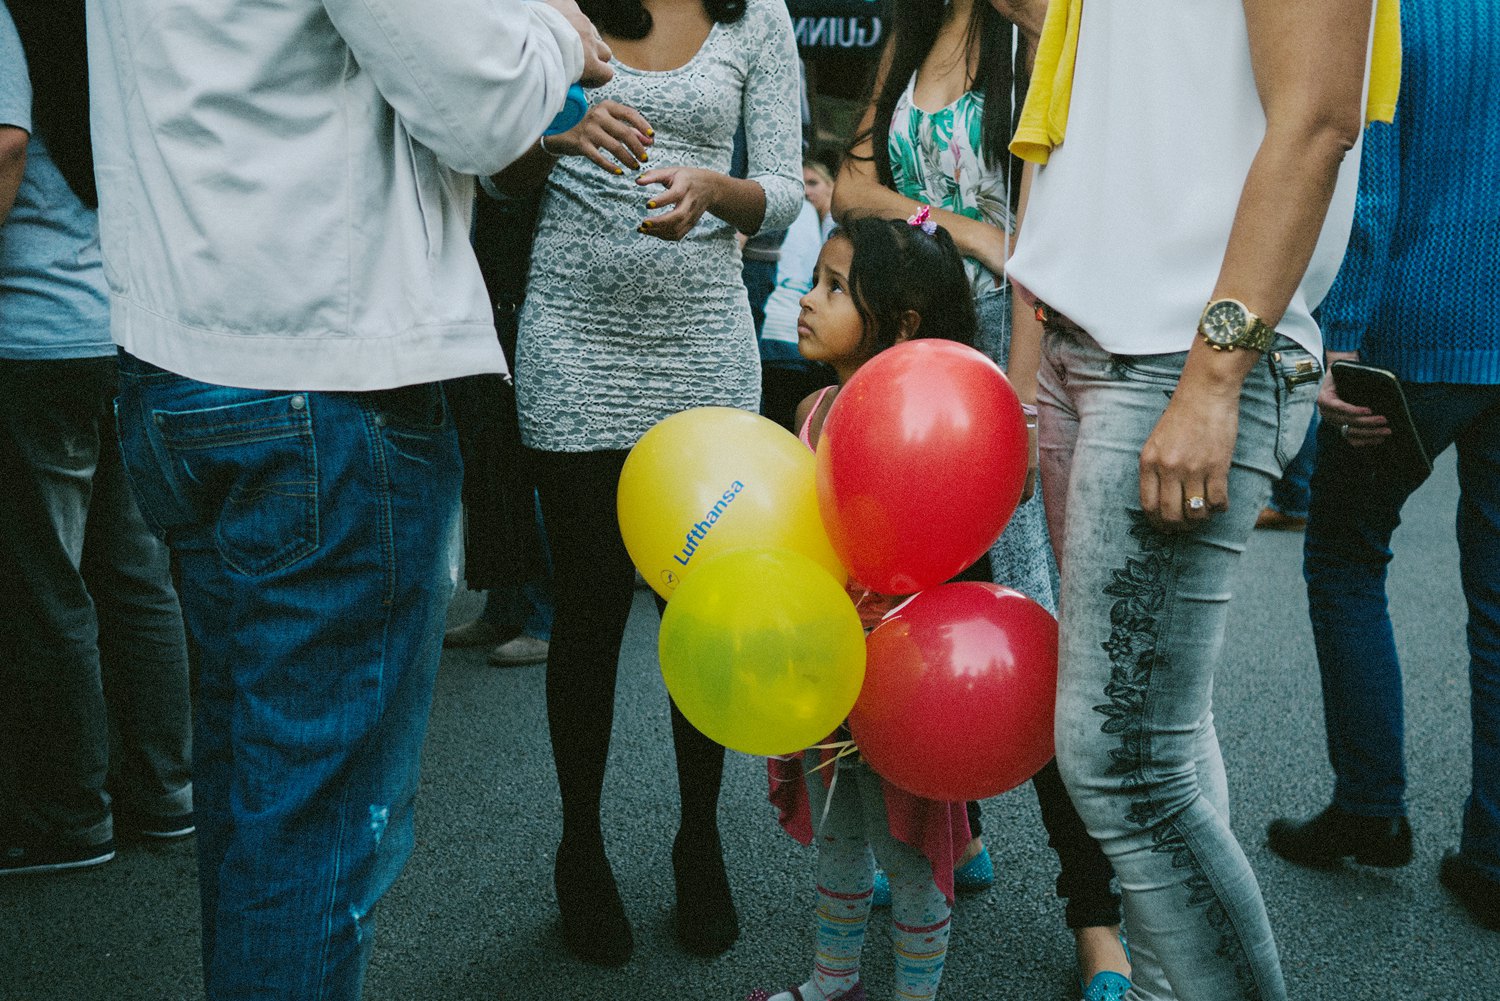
x,y
1109,985
1106,986
976,874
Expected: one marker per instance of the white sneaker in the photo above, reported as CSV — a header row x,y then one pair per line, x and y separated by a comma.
x,y
521,650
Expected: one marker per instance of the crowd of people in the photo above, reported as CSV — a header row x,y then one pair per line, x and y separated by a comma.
x,y
253,374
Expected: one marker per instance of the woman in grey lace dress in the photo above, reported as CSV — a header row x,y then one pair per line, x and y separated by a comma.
x,y
635,310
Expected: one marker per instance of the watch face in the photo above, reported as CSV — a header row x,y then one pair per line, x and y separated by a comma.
x,y
1224,322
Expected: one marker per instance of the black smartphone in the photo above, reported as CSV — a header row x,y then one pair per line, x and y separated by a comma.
x,y
1380,390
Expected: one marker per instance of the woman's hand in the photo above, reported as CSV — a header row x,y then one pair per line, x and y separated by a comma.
x,y
1185,462
1360,426
610,129
691,191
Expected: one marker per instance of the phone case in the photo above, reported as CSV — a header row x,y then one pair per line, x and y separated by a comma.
x,y
1380,390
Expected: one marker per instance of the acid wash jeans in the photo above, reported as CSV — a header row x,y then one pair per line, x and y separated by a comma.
x,y
1142,632
311,530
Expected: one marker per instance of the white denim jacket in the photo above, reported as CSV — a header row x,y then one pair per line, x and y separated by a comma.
x,y
284,185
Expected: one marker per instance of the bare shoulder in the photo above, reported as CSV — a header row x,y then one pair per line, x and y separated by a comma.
x,y
815,405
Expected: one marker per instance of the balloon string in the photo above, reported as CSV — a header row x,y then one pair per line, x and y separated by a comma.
x,y
845,749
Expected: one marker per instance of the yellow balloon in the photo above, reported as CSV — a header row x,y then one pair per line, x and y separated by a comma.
x,y
762,651
712,480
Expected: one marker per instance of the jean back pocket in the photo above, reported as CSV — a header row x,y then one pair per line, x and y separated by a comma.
x,y
251,470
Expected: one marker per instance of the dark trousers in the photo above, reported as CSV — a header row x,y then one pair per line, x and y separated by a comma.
x,y
88,611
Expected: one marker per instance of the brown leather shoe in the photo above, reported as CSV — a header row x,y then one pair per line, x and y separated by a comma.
x,y
1272,519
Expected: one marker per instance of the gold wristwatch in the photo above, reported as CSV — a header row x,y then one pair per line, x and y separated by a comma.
x,y
1227,324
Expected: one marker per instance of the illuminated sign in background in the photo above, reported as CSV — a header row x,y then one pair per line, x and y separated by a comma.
x,y
838,24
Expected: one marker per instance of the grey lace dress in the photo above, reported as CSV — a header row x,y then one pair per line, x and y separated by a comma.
x,y
620,329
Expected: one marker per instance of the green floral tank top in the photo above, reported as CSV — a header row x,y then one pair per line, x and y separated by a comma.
x,y
935,160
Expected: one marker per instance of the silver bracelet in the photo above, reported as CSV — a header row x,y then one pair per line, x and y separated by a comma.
x,y
542,142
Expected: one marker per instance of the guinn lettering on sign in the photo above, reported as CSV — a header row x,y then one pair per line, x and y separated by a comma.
x,y
838,32
700,529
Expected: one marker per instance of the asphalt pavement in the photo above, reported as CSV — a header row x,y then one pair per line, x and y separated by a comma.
x,y
474,915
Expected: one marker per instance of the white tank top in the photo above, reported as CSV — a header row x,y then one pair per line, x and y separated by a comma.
x,y
1127,224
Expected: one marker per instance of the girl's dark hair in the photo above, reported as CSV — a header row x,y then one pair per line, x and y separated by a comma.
x,y
999,73
897,267
52,36
630,19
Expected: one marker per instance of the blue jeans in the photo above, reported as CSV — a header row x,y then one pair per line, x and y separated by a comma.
x,y
1142,634
312,532
1292,494
523,606
1356,506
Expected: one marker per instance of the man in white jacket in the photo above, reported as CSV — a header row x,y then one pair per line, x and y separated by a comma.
x,y
285,189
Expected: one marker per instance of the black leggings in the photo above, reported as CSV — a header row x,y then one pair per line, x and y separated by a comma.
x,y
595,585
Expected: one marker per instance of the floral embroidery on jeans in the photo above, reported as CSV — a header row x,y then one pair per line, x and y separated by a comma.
x,y
1133,651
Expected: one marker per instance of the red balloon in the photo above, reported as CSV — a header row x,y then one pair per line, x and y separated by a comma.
x,y
960,688
921,462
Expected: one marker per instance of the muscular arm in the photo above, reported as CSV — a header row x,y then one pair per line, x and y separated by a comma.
x,y
1309,61
12,166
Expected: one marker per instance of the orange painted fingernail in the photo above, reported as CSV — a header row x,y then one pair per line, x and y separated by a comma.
x,y
645,157
650,131
650,205
619,170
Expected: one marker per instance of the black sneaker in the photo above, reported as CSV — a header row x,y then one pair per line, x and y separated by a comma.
x,y
153,826
18,858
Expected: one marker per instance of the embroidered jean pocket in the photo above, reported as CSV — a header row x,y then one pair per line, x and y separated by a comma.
x,y
251,470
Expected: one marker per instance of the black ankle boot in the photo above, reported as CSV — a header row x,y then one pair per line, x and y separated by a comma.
x,y
706,920
1479,894
594,925
1338,834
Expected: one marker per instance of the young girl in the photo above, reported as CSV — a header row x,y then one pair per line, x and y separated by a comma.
x,y
878,282
934,134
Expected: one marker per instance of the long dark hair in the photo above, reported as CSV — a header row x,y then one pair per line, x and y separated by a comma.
x,y
999,73
631,20
52,35
898,267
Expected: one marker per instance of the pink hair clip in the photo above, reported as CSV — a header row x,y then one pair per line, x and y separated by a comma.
x,y
923,221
